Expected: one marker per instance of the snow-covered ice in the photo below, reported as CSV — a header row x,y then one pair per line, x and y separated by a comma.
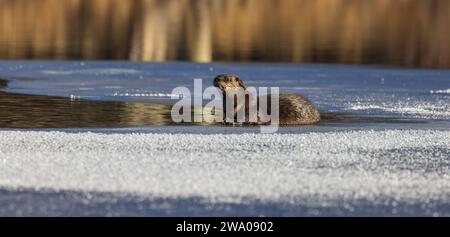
x,y
447,91
369,172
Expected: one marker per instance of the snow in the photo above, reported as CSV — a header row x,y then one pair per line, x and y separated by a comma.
x,y
366,172
144,94
447,91
416,109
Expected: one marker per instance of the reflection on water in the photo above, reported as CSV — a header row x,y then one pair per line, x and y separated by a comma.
x,y
25,111
407,32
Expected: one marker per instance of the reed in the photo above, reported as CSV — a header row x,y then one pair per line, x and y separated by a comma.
x,y
403,32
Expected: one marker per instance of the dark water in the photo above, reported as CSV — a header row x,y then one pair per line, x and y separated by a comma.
x,y
408,33
30,111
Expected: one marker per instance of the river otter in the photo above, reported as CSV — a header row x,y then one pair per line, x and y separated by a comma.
x,y
293,109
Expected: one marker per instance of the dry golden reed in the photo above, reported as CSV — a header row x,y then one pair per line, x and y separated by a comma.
x,y
394,32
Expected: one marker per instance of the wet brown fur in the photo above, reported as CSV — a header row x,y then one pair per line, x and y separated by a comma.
x,y
294,109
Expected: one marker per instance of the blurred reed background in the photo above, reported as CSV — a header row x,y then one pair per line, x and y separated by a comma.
x,y
412,33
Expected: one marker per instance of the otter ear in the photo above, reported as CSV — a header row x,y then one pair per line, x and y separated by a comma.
x,y
241,83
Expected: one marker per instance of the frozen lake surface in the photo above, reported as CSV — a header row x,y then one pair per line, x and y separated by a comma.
x,y
395,172
393,159
360,90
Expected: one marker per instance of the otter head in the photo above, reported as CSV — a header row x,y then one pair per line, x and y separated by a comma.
x,y
225,82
